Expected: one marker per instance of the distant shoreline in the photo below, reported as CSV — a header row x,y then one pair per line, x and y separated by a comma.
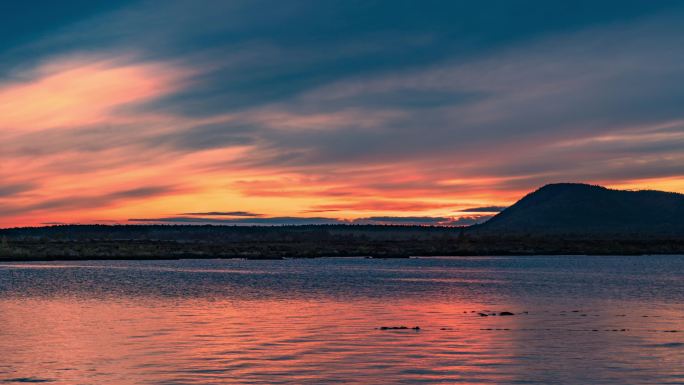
x,y
209,242
108,251
4,261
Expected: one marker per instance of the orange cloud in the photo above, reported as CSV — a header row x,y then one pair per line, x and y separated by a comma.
x,y
81,91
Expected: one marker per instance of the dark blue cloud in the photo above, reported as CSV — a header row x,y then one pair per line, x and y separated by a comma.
x,y
76,202
423,221
24,21
204,137
264,54
486,209
9,190
402,220
226,213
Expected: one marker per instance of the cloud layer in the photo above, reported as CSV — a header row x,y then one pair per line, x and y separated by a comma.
x,y
392,112
288,221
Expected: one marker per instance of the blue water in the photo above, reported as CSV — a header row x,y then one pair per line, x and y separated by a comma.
x,y
578,320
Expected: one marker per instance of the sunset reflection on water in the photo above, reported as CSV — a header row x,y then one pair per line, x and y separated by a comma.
x,y
109,326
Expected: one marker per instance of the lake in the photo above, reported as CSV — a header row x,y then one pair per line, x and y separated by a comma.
x,y
577,320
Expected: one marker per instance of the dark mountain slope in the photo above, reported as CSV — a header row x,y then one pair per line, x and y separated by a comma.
x,y
581,209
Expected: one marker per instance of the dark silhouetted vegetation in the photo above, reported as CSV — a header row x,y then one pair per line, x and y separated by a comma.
x,y
180,241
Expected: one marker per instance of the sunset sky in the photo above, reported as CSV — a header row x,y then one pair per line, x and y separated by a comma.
x,y
272,112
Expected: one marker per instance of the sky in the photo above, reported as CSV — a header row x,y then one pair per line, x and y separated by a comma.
x,y
322,111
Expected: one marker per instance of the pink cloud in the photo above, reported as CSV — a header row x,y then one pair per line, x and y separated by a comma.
x,y
80,91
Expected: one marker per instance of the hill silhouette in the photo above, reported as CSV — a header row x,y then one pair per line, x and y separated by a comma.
x,y
588,210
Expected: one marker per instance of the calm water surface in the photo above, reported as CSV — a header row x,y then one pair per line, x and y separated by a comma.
x,y
588,320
